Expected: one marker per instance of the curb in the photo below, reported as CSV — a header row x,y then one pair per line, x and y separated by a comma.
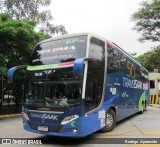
x,y
9,115
156,106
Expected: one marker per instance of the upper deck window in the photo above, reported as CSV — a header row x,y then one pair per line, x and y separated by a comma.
x,y
62,50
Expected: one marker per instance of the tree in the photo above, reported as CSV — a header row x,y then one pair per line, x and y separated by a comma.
x,y
18,39
150,60
147,20
36,10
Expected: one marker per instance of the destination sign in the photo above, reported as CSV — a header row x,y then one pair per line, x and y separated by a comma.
x,y
57,51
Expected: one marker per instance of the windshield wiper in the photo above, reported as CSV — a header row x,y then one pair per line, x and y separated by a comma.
x,y
65,105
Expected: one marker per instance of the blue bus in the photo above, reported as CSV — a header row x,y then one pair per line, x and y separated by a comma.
x,y
80,83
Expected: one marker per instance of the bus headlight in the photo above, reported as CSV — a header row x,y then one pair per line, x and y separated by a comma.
x,y
69,119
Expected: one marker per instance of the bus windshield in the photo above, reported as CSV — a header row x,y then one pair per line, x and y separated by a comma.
x,y
52,88
60,50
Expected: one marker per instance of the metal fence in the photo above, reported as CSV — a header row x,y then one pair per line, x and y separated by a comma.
x,y
8,102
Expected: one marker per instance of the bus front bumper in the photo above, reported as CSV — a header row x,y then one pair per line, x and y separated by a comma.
x,y
72,129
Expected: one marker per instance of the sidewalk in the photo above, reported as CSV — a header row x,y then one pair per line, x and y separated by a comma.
x,y
155,105
10,115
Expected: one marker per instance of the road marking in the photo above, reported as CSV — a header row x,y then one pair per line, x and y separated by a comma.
x,y
152,133
123,131
117,134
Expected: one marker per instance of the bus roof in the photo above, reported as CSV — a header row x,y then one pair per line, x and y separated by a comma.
x,y
72,35
63,36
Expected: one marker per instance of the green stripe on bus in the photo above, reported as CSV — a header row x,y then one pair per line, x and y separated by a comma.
x,y
41,66
142,98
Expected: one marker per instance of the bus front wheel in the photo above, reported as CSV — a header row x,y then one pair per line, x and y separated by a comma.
x,y
110,121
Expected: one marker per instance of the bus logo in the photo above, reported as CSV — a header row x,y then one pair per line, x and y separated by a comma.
x,y
44,116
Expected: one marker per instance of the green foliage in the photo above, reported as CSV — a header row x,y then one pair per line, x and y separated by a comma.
x,y
36,10
147,20
28,10
18,39
151,60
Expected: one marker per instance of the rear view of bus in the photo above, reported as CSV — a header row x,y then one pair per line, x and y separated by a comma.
x,y
64,82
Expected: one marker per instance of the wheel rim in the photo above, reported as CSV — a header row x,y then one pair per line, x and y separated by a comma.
x,y
109,120
142,107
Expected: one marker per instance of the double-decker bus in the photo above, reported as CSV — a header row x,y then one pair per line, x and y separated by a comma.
x,y
78,84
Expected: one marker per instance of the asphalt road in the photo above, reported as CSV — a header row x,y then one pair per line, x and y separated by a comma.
x,y
145,125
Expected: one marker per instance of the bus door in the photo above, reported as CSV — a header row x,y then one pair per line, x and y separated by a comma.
x,y
94,85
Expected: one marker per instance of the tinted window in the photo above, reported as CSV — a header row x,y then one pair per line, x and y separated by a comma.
x,y
57,51
52,88
137,72
112,60
96,49
118,61
123,63
95,75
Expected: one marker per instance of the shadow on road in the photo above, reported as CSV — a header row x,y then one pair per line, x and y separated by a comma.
x,y
67,141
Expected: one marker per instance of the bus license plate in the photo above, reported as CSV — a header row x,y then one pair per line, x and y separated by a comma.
x,y
43,128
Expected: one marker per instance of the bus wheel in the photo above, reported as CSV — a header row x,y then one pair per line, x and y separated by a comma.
x,y
110,121
143,108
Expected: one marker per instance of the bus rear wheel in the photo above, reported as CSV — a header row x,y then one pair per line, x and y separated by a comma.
x,y
110,121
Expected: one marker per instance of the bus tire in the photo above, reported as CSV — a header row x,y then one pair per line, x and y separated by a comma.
x,y
143,108
110,121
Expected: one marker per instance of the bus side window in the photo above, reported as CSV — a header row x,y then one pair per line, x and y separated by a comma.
x,y
131,69
137,73
123,64
112,60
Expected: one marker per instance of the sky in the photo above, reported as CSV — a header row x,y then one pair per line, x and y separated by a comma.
x,y
110,19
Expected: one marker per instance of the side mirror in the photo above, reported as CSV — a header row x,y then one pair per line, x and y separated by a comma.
x,y
11,72
79,65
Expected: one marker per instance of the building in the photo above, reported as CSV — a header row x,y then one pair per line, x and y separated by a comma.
x,y
154,78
